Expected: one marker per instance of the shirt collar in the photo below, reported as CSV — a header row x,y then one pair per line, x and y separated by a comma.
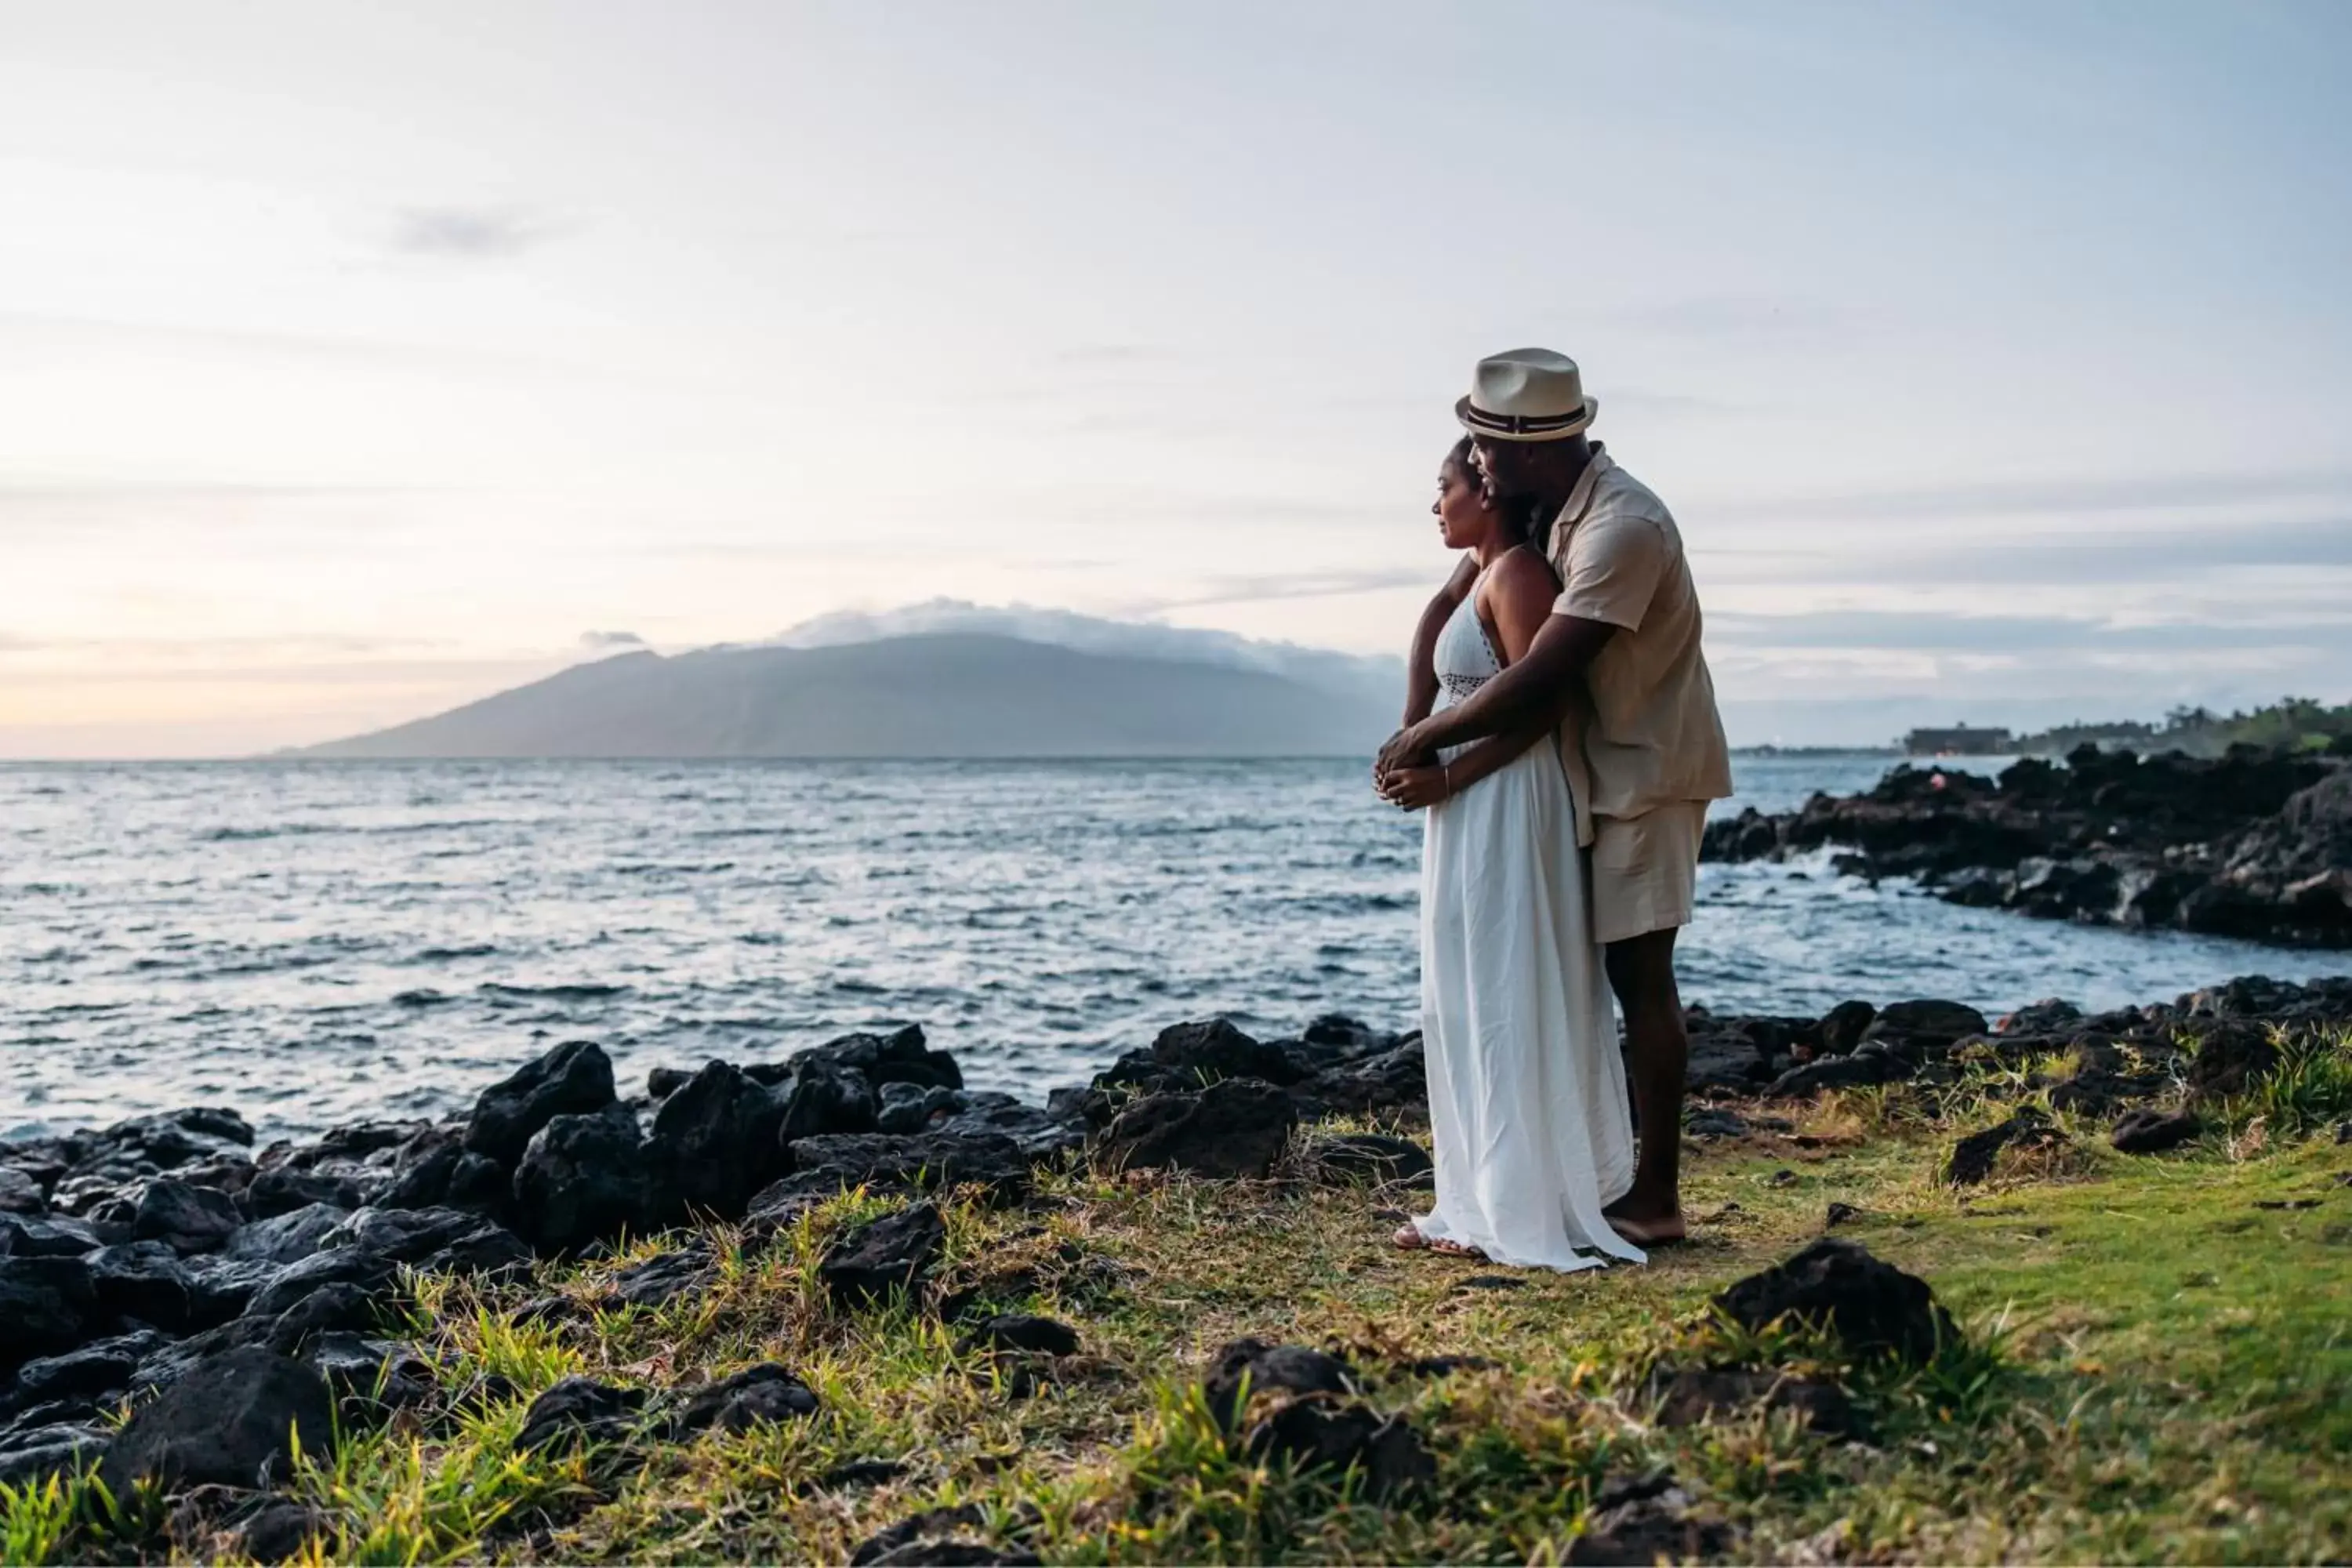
x,y
1580,495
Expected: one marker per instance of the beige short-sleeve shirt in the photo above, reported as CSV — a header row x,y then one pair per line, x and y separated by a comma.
x,y
1647,733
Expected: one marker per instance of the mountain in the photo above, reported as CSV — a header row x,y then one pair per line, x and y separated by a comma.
x,y
946,694
1379,678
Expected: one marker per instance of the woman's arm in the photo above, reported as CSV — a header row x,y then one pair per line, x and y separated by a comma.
x,y
1518,598
1421,667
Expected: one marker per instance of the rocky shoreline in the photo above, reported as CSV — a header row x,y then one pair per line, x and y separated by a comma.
x,y
2254,844
230,1294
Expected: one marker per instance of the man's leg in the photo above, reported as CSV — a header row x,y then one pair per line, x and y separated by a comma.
x,y
1641,972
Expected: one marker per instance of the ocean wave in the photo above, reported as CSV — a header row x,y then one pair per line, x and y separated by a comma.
x,y
577,993
448,955
253,834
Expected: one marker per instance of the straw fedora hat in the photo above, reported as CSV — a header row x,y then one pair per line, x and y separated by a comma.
x,y
1527,395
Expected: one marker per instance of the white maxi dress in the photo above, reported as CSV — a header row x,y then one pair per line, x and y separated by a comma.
x,y
1527,1091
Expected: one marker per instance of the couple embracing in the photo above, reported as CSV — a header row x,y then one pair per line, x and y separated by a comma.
x,y
1562,741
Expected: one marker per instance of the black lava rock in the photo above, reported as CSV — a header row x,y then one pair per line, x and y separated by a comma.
x,y
46,1305
1695,1395
142,1280
281,1190
891,1252
1023,1333
372,1274
575,1079
714,1142
1254,1365
1237,1128
233,1420
1872,1306
827,1098
584,1179
1368,1156
1972,1157
579,1410
1320,1433
188,1219
663,1278
2152,1131
745,1399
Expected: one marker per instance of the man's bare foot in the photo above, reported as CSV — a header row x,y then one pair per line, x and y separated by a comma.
x,y
1457,1249
1665,1231
1409,1238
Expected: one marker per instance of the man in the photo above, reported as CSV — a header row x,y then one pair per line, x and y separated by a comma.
x,y
1618,666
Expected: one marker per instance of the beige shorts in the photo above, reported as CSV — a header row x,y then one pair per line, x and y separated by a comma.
x,y
1644,869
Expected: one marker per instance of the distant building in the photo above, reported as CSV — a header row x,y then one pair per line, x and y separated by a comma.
x,y
1959,740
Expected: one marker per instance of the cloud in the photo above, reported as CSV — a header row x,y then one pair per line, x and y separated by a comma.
x,y
1262,588
2138,492
11,643
2012,635
473,232
1717,316
602,642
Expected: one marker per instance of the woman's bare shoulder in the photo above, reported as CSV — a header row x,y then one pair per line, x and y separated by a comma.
x,y
1523,577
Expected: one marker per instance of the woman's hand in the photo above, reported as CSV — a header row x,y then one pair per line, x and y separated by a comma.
x,y
1414,788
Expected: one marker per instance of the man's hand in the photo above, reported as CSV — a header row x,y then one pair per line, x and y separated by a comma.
x,y
1404,750
1414,788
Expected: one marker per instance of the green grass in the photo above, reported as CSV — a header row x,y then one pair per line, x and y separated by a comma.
x,y
2155,1367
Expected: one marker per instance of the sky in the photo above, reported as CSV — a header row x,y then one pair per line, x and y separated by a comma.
x,y
357,361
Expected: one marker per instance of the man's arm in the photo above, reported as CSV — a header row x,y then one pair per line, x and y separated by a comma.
x,y
1532,694
1421,669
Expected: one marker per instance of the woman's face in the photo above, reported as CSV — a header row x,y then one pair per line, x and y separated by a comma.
x,y
1461,507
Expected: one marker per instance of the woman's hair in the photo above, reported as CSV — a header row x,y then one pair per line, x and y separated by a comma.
x,y
1518,512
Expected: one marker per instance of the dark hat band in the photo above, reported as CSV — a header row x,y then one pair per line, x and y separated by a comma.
x,y
1478,418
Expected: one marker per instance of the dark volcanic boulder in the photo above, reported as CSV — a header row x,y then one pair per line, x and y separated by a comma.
x,y
1248,1367
1368,1156
1202,1053
1972,1157
2229,1060
575,1079
714,1142
405,1235
286,1237
899,1057
233,1420
737,1403
188,1219
371,1273
579,1410
892,1253
1697,1395
1837,1285
827,1098
1327,1435
1236,1128
2148,1131
95,1371
279,1192
927,1160
55,1236
142,1280
1023,1333
1927,1024
584,1179
1836,1072
46,1305
36,1453
20,1194
1842,1026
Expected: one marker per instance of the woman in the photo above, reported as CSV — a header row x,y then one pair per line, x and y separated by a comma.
x,y
1527,1094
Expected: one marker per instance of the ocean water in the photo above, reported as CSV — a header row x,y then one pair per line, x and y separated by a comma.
x,y
315,942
